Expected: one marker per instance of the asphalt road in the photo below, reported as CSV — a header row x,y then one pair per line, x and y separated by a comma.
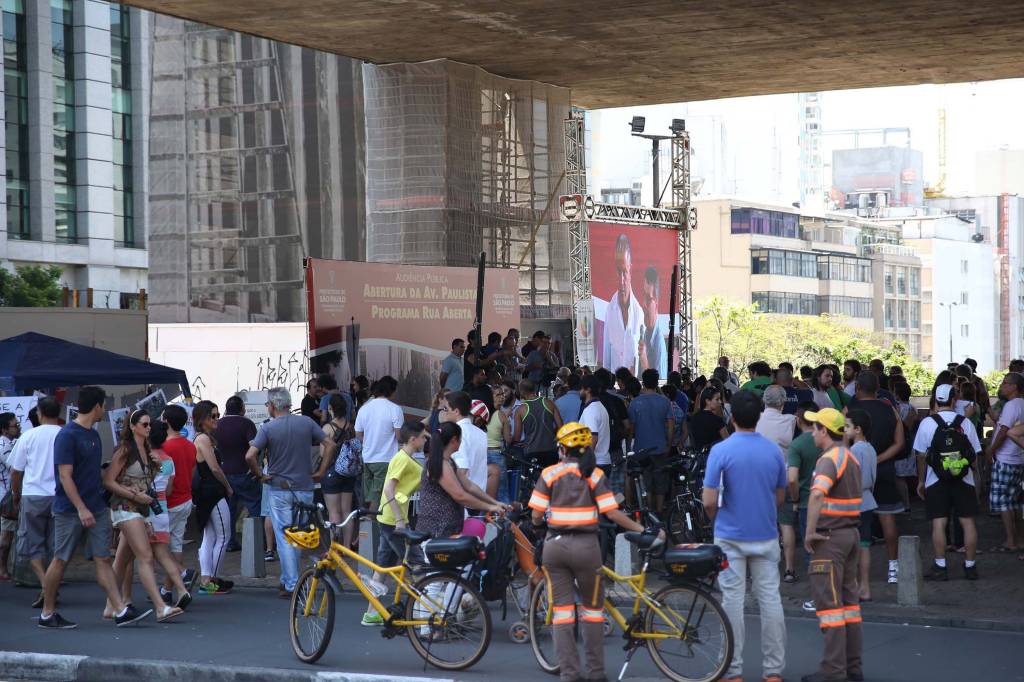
x,y
249,628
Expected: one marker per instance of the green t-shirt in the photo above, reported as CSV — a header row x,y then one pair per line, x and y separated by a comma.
x,y
407,472
803,454
757,385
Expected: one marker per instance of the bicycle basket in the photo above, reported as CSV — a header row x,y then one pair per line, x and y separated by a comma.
x,y
303,533
452,552
690,562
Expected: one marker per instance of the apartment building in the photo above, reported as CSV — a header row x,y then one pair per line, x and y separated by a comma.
x,y
794,264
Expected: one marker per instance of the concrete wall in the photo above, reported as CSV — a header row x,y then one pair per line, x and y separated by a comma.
x,y
119,331
222,359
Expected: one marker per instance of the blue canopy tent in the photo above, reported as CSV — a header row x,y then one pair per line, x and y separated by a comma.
x,y
37,361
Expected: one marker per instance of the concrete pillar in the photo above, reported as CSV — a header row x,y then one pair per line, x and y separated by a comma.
x,y
253,548
94,167
908,592
39,45
369,536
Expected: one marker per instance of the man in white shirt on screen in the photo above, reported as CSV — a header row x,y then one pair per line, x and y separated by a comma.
x,y
623,316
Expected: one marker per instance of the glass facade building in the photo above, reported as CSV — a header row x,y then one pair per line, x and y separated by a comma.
x,y
70,138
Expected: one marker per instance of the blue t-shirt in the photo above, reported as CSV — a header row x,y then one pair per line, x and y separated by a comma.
x,y
648,413
683,401
82,449
325,404
746,468
569,406
452,366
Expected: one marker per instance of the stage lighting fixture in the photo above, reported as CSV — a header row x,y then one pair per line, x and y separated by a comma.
x,y
678,126
636,126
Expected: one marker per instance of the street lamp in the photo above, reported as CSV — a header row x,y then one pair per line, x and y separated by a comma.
x,y
636,129
949,307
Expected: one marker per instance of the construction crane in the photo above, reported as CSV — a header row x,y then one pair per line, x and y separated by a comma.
x,y
938,190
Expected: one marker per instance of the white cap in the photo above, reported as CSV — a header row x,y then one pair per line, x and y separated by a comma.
x,y
943,393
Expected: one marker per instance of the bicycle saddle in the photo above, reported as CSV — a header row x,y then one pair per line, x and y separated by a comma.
x,y
413,537
643,541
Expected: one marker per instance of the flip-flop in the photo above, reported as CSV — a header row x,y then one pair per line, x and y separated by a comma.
x,y
169,612
1003,549
4,578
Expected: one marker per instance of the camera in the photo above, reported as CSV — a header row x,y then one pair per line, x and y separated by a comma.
x,y
154,506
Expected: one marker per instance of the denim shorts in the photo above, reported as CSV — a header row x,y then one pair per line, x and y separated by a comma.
x,y
497,458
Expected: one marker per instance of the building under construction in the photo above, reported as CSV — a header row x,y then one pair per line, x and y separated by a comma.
x,y
262,154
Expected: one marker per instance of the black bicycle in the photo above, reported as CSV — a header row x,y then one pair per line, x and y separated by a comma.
x,y
686,521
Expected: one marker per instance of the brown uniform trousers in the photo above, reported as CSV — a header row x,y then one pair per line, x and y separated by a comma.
x,y
833,576
571,560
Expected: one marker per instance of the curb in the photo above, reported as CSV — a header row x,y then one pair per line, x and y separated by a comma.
x,y
61,668
907,619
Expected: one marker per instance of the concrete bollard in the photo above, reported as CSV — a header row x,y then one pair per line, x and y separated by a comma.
x,y
627,559
253,548
908,592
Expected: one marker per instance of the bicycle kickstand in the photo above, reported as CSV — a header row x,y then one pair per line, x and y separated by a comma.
x,y
630,650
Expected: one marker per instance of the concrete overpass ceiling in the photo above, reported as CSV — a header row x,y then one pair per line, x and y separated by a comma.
x,y
618,53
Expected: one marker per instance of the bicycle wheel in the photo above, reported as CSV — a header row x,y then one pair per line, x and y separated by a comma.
x,y
541,633
311,634
701,647
460,622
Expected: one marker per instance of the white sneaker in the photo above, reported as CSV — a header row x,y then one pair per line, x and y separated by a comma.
x,y
809,606
377,589
894,573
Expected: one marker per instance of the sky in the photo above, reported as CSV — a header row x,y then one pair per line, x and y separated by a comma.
x,y
749,146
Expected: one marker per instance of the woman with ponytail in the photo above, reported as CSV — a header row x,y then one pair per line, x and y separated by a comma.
x,y
129,478
571,495
443,499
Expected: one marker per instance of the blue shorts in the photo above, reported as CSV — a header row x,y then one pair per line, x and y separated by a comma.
x,y
497,458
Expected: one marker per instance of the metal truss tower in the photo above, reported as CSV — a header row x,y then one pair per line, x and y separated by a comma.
x,y
687,333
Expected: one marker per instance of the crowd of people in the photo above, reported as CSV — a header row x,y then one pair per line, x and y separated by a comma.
x,y
805,470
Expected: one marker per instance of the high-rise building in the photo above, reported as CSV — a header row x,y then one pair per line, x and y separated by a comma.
x,y
76,100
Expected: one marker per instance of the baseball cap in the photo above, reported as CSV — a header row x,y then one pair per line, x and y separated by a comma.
x,y
943,392
479,409
831,418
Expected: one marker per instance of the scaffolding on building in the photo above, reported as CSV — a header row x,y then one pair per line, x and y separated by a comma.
x,y
461,161
244,176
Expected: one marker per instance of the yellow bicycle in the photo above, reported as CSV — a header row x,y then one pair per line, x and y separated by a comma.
x,y
682,625
444,617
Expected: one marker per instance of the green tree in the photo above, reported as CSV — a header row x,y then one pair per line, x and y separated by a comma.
x,y
32,286
745,335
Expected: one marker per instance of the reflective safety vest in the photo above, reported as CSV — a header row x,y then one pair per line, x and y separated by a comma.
x,y
569,500
837,476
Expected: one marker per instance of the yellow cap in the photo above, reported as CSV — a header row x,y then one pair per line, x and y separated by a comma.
x,y
831,418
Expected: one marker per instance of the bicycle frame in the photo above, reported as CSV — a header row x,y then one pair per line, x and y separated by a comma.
x,y
334,560
637,584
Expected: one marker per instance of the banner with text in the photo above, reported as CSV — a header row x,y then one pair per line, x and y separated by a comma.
x,y
630,281
386,318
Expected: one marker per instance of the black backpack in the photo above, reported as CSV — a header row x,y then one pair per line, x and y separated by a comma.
x,y
496,568
950,454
